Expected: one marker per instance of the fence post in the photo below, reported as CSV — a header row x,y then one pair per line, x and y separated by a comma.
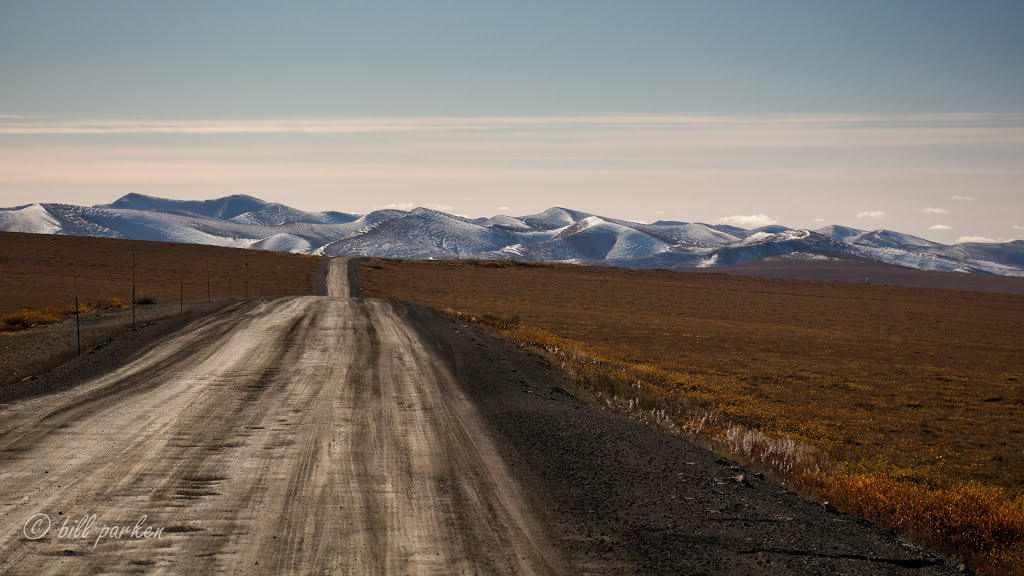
x,y
133,290
78,320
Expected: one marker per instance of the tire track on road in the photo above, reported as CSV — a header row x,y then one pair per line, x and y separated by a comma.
x,y
292,436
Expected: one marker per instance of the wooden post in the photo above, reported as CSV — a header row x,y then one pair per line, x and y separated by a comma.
x,y
133,290
78,320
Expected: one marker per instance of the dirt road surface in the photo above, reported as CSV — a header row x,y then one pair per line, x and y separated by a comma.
x,y
337,435
302,435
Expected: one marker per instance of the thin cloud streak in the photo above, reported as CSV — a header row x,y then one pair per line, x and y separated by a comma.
x,y
751,221
699,167
705,131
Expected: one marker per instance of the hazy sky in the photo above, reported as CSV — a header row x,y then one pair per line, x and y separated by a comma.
x,y
890,113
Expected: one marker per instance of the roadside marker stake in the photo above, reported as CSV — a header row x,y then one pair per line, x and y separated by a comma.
x,y
133,290
78,321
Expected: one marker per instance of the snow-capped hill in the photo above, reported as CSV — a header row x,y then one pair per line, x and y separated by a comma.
x,y
734,231
772,229
888,245
843,233
424,233
701,234
32,218
223,208
334,217
577,227
593,238
768,235
681,233
502,221
155,226
357,227
378,216
766,244
890,239
79,221
557,234
280,215
283,243
238,208
553,218
1007,254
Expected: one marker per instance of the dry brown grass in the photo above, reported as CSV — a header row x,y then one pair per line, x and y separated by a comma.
x,y
981,524
29,318
37,271
909,391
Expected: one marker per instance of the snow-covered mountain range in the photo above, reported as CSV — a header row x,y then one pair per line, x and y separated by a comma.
x,y
557,234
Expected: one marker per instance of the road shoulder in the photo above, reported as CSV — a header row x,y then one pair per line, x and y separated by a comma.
x,y
47,364
618,495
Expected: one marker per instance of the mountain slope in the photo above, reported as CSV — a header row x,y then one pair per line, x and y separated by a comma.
x,y
553,218
424,233
223,208
594,239
556,234
238,208
33,218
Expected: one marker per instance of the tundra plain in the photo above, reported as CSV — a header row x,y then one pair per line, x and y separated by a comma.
x,y
335,433
910,391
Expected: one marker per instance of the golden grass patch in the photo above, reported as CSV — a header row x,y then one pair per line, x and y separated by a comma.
x,y
28,318
981,524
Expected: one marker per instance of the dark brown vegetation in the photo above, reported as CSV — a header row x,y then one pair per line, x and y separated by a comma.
x,y
38,271
856,271
914,396
31,317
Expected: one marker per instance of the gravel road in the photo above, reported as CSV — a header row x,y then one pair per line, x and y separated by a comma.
x,y
339,435
302,435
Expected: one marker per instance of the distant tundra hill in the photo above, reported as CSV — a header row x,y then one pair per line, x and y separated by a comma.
x,y
556,235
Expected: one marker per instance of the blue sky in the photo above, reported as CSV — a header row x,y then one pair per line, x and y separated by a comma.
x,y
797,111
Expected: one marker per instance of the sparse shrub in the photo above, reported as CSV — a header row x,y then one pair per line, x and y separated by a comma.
x,y
146,300
501,321
600,380
982,525
782,455
28,318
107,304
495,263
31,317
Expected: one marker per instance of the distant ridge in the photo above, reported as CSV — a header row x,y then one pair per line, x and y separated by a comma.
x,y
557,234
